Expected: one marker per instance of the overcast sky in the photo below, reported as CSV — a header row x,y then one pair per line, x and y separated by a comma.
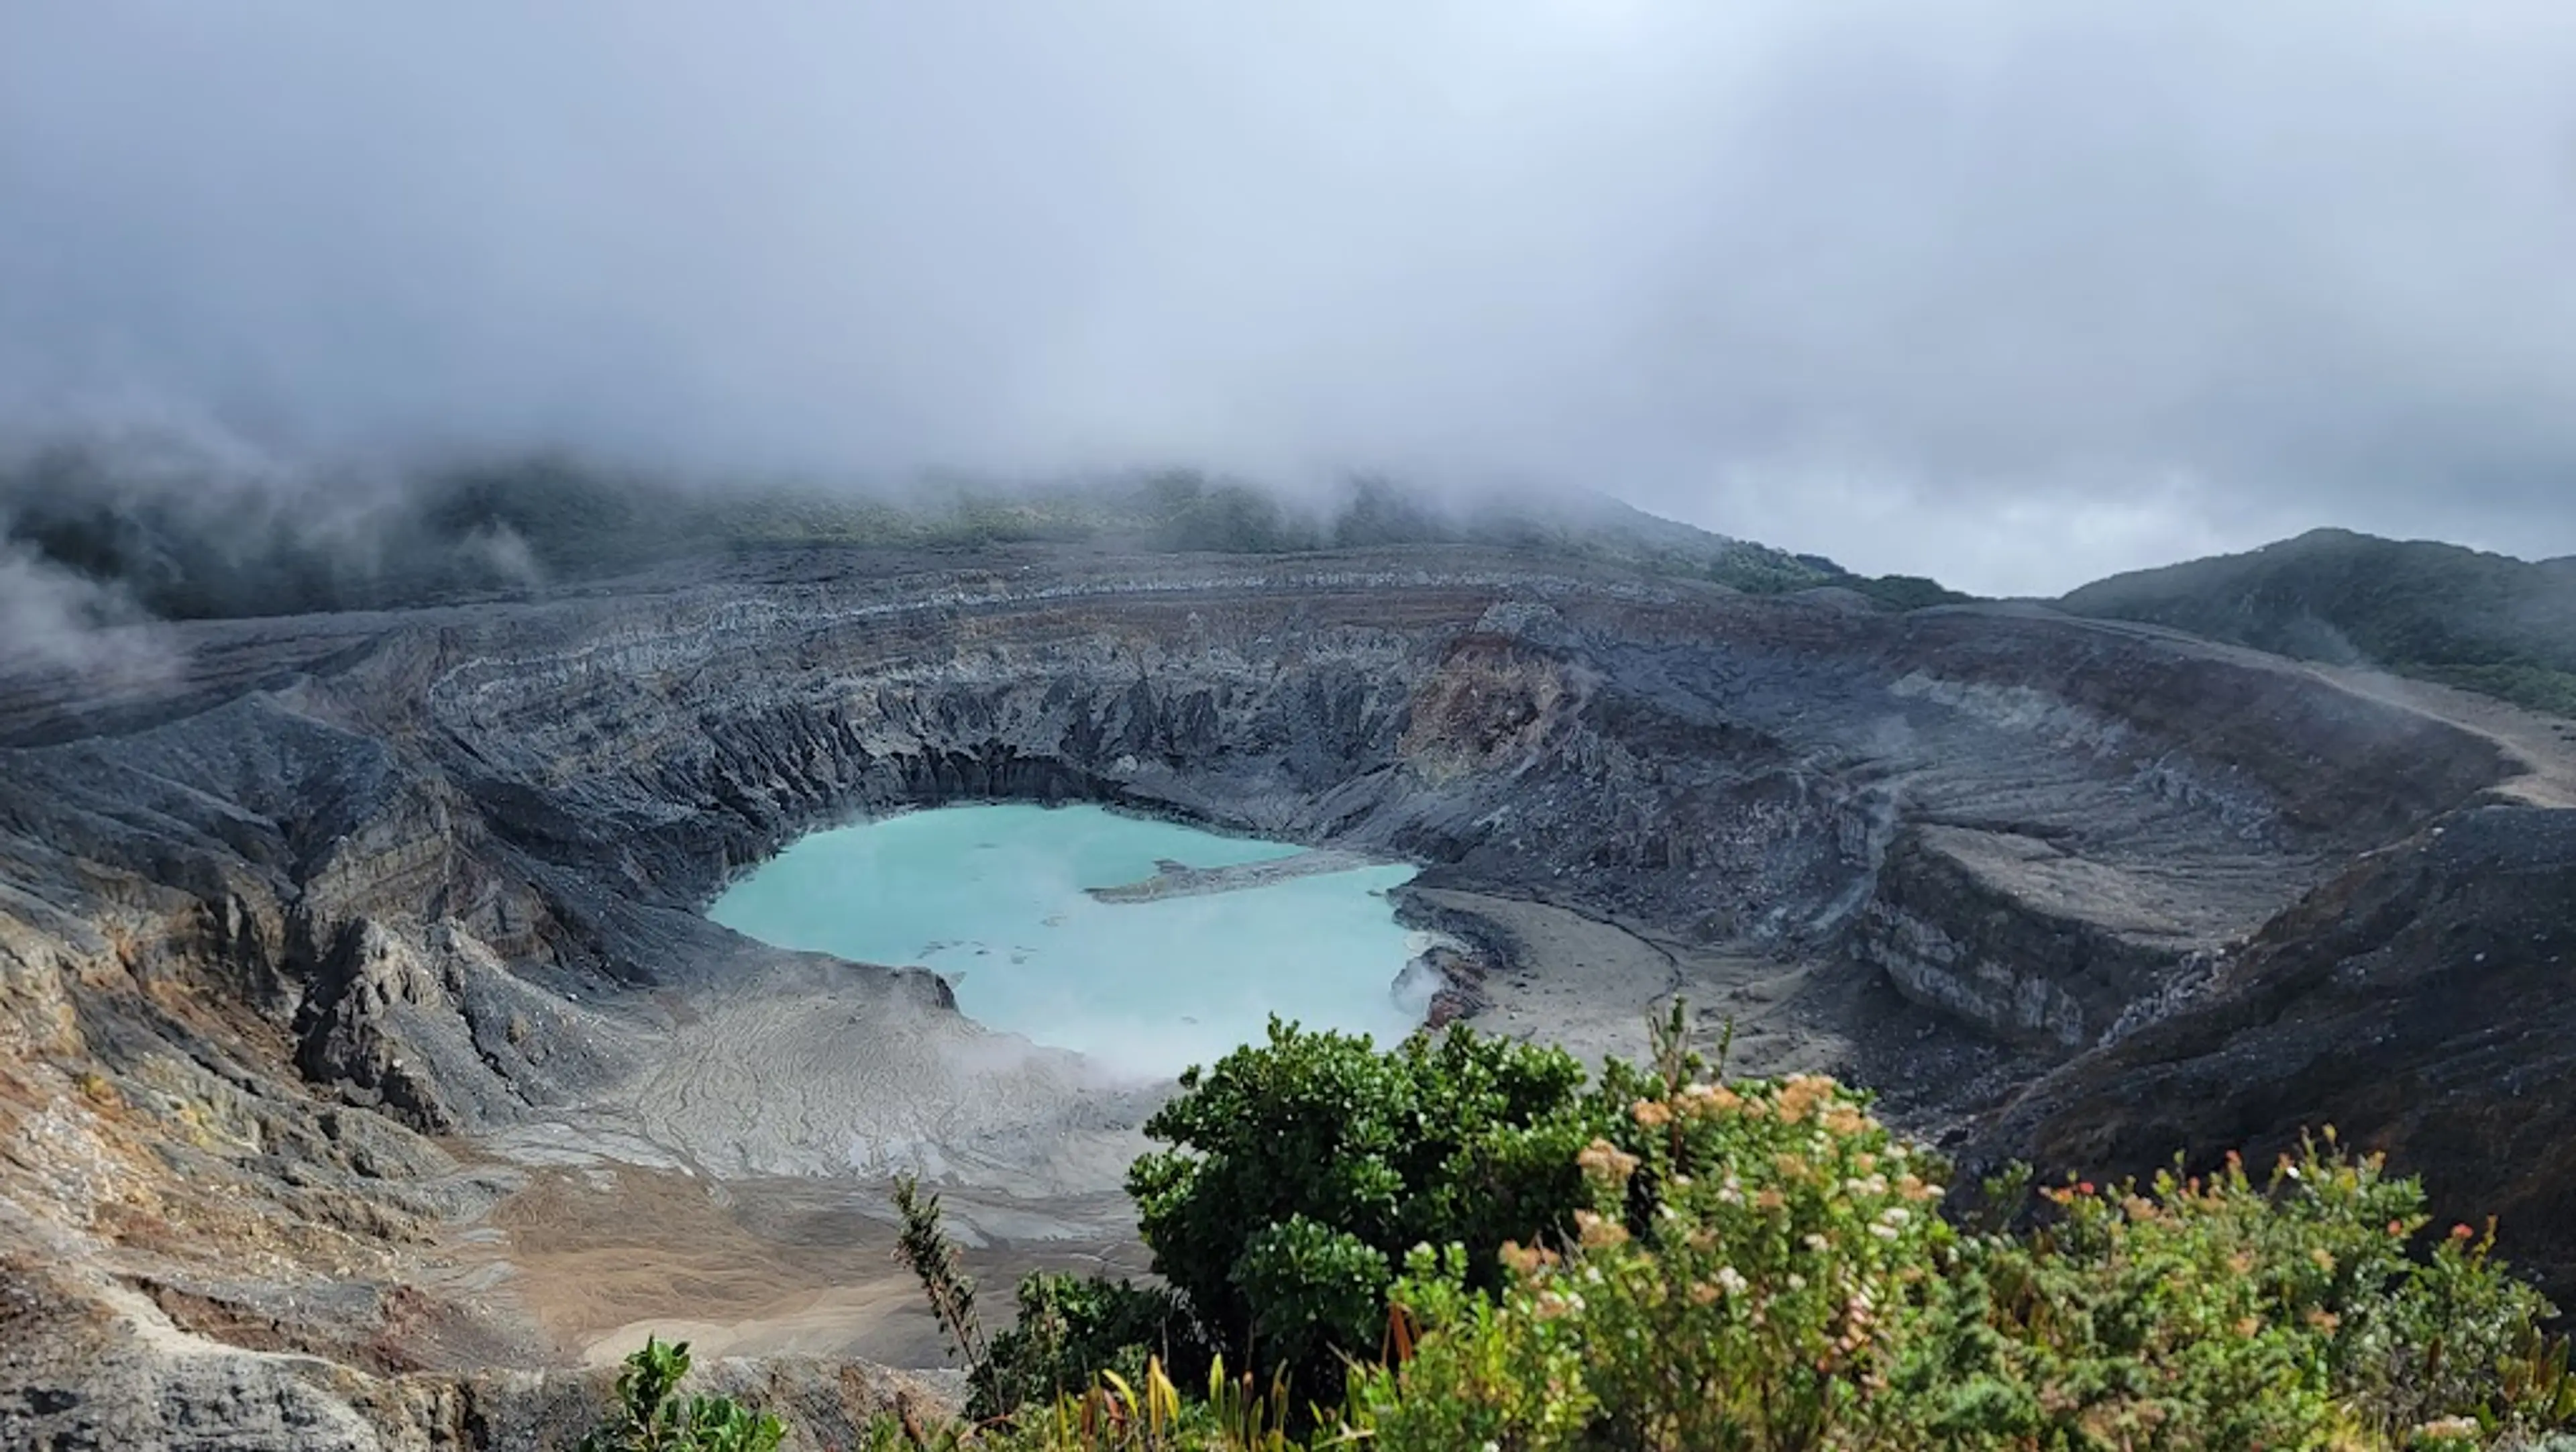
x,y
2014,293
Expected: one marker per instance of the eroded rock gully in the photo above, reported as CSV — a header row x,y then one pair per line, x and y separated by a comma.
x,y
317,950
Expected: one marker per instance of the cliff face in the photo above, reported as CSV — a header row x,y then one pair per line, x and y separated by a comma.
x,y
340,883
2418,1002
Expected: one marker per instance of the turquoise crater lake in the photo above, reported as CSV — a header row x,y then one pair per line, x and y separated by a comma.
x,y
993,898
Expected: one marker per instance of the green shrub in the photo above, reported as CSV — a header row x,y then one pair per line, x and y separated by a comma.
x,y
650,1417
1071,1330
1787,1248
2228,1312
1301,1171
1791,1289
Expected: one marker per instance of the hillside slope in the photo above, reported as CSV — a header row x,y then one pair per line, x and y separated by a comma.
x,y
2439,612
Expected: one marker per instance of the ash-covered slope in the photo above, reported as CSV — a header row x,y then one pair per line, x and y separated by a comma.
x,y
340,882
2419,1003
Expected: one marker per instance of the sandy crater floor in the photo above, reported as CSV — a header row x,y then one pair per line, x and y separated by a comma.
x,y
599,1255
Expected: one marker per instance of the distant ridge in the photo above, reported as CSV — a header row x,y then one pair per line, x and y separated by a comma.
x,y
2440,612
185,548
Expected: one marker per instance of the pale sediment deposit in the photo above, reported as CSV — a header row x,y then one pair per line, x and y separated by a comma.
x,y
1180,880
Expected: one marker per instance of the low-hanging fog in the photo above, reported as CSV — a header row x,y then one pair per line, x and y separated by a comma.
x,y
2009,292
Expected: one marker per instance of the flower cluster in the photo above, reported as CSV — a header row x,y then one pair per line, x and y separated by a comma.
x,y
1747,1265
1763,1266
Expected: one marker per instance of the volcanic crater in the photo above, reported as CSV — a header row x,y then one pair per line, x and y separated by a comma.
x,y
368,1066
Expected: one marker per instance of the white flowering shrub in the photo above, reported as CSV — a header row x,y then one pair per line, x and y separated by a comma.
x,y
1787,1242
1763,1270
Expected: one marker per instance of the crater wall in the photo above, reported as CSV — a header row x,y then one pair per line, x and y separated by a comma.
x,y
422,843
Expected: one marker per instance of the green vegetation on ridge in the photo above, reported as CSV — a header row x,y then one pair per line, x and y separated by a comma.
x,y
2439,612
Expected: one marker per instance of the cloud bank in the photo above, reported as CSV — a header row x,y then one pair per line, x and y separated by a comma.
x,y
2004,291
58,621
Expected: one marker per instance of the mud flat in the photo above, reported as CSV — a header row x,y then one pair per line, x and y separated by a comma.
x,y
768,1267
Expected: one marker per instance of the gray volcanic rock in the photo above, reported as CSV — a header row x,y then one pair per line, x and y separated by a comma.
x,y
341,883
2419,1003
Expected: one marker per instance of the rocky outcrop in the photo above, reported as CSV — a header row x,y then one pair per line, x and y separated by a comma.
x,y
2019,936
116,1372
